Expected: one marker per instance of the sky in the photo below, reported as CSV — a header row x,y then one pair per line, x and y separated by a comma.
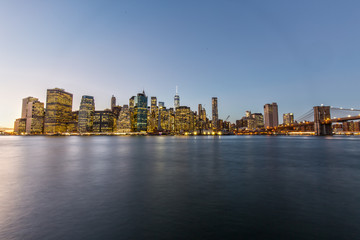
x,y
246,53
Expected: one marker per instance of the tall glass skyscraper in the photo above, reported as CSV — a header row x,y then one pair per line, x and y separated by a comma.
x,y
140,112
86,114
176,99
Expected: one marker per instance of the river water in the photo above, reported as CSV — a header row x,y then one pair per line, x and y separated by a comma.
x,y
205,187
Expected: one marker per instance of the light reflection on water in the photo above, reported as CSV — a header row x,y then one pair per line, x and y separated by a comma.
x,y
165,187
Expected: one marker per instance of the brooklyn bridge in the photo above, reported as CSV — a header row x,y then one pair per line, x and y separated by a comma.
x,y
323,121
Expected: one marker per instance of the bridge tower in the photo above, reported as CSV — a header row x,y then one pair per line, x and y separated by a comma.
x,y
321,127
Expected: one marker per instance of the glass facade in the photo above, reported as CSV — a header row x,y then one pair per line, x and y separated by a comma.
x,y
140,112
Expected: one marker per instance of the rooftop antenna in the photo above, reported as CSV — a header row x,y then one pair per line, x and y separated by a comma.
x,y
176,90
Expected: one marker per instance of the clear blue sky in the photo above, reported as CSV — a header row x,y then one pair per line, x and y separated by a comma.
x,y
246,53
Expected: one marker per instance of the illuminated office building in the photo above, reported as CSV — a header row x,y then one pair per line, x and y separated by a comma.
x,y
258,120
35,118
20,126
153,116
161,104
25,103
58,110
123,122
271,115
86,114
32,117
153,103
215,116
288,118
140,112
72,125
131,110
104,121
184,120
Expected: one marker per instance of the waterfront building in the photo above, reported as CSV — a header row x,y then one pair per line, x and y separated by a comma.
x,y
288,118
153,116
140,112
184,120
35,117
104,121
123,122
176,99
271,115
86,114
32,117
58,111
215,116
131,110
73,124
259,120
20,126
25,103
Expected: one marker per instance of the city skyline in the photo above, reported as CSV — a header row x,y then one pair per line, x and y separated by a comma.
x,y
245,53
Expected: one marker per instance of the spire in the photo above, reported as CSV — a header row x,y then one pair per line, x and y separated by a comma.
x,y
176,90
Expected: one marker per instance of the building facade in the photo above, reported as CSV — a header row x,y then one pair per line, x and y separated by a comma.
x,y
58,111
184,120
140,112
215,116
104,121
271,115
86,114
288,118
176,100
32,117
123,122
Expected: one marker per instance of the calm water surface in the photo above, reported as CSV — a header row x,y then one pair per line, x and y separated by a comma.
x,y
179,187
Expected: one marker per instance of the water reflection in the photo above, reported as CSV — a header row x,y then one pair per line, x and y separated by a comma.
x,y
164,187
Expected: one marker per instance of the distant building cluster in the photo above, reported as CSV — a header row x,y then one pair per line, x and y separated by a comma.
x,y
148,116
57,117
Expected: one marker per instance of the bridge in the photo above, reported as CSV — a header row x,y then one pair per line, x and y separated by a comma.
x,y
320,120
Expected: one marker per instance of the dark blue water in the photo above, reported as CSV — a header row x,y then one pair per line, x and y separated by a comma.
x,y
179,188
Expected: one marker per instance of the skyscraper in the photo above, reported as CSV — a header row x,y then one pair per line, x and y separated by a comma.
x,y
184,120
32,117
35,117
140,112
86,114
288,118
176,99
215,116
153,102
113,102
58,110
271,115
104,121
123,122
